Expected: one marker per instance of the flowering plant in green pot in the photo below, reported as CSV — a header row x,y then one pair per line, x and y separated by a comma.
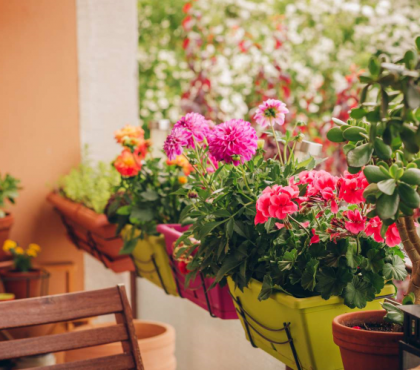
x,y
383,140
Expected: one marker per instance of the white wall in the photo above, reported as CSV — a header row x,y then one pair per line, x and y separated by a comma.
x,y
107,54
107,43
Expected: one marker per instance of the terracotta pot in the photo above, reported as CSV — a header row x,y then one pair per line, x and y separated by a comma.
x,y
156,342
92,232
24,284
365,350
6,224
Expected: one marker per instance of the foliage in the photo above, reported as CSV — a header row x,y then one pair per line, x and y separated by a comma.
x,y
90,185
145,197
22,258
9,187
393,313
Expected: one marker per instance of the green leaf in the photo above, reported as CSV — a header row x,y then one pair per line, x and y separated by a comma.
x,y
358,292
229,264
395,270
208,227
331,281
382,150
308,281
267,288
288,260
229,227
360,156
375,259
357,113
410,59
142,214
149,195
387,186
410,298
411,176
124,210
221,213
371,193
376,280
408,195
408,137
354,170
387,205
418,43
335,135
374,66
354,133
129,246
393,314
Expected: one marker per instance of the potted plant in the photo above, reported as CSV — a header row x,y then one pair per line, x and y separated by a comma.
x,y
23,280
9,187
147,197
281,233
81,199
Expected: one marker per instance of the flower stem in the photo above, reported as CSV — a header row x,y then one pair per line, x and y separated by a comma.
x,y
300,225
277,143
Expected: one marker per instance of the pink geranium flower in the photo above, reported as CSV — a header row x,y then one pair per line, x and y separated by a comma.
x,y
276,202
270,112
392,236
352,187
234,141
315,238
356,222
196,124
373,228
176,140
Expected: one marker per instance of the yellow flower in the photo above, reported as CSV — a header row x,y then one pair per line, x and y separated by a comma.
x,y
182,180
31,252
8,245
34,247
19,250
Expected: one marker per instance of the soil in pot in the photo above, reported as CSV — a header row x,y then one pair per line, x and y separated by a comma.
x,y
24,284
367,349
156,342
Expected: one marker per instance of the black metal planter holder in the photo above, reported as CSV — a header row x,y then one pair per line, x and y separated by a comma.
x,y
248,326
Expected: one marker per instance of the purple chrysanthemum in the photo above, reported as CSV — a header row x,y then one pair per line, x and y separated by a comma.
x,y
234,141
177,139
270,112
196,124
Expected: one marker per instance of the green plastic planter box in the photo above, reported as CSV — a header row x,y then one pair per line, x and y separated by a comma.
x,y
310,326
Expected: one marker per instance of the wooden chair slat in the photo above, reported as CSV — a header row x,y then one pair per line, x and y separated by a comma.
x,y
57,308
62,342
117,362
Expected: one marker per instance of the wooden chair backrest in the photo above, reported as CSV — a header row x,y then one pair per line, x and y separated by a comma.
x,y
73,306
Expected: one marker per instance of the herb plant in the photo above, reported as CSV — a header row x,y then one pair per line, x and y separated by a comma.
x,y
9,187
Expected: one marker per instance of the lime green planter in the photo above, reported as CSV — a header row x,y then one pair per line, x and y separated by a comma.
x,y
310,325
151,262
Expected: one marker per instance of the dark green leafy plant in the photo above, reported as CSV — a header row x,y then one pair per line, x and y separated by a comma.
x,y
9,187
383,139
393,314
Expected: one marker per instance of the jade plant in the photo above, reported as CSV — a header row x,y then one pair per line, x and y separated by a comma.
x,y
383,140
9,187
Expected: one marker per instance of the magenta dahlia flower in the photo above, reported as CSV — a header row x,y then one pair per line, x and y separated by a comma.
x,y
176,140
270,112
234,141
196,124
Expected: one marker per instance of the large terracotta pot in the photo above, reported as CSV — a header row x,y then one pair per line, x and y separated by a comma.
x,y
29,284
156,342
92,232
6,224
362,349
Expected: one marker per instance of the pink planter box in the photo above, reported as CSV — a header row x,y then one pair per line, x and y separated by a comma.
x,y
216,301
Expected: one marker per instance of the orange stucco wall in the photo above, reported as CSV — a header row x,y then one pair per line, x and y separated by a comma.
x,y
39,121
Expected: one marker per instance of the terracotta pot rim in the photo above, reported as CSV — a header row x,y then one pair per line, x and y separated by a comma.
x,y
16,272
337,323
6,222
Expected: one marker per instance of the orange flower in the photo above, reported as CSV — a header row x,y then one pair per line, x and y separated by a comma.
x,y
127,163
182,180
182,162
129,132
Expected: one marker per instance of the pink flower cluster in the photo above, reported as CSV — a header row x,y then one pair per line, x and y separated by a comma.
x,y
270,112
234,141
276,202
324,191
196,124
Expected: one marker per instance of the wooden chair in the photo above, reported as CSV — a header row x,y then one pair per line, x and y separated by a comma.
x,y
72,306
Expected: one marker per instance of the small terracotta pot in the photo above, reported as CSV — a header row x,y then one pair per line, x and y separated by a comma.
x,y
93,233
23,284
362,349
156,342
6,224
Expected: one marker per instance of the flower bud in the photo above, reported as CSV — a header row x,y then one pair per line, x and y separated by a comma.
x,y
260,144
192,194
